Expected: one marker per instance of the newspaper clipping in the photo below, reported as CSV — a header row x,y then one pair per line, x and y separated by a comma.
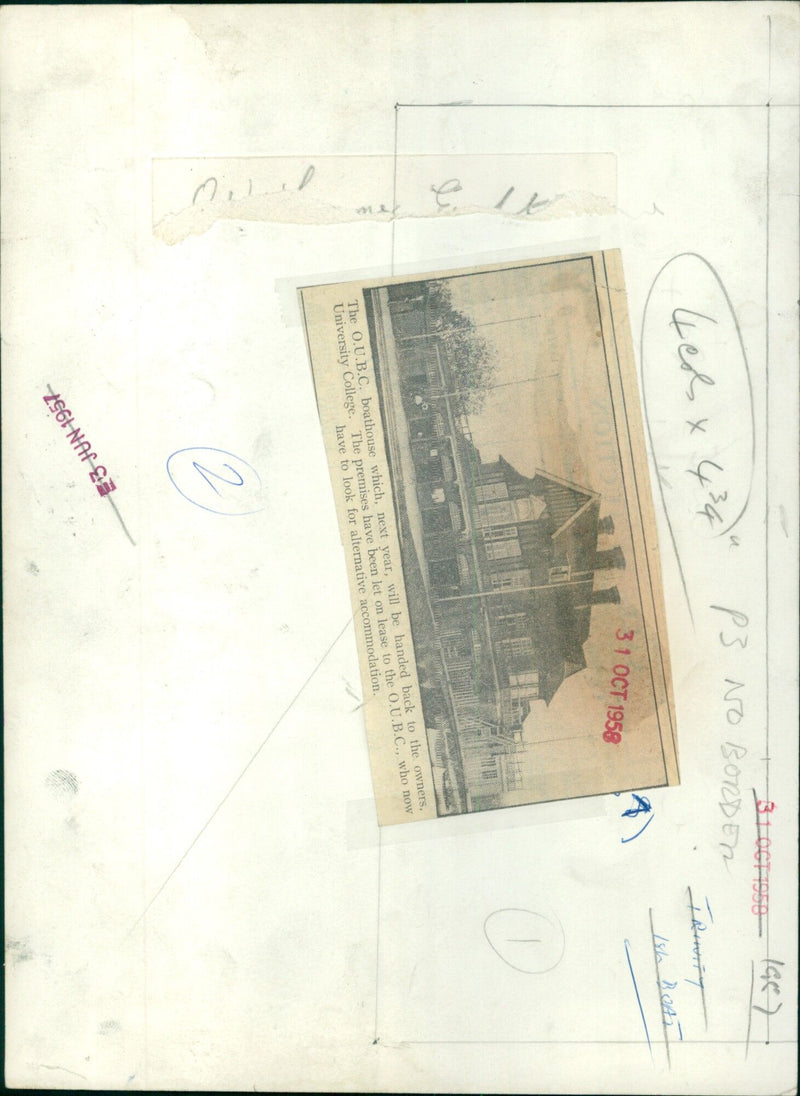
x,y
484,434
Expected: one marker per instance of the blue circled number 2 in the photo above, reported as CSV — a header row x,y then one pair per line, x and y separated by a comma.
x,y
216,480
206,472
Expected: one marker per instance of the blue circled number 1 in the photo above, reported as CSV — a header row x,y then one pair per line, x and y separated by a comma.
x,y
216,480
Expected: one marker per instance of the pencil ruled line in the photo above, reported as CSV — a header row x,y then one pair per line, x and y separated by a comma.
x,y
660,991
394,180
241,775
767,465
592,106
378,937
578,1042
760,869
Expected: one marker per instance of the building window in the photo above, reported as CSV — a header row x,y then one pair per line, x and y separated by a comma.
x,y
502,532
512,620
511,580
496,513
524,686
485,492
518,646
503,549
530,677
530,508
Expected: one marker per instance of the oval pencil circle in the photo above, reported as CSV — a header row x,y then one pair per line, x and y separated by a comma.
x,y
698,398
526,941
216,480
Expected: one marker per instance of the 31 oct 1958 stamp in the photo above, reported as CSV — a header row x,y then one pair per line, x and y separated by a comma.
x,y
485,441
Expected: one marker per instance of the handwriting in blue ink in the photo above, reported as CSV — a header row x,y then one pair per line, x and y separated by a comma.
x,y
216,480
641,805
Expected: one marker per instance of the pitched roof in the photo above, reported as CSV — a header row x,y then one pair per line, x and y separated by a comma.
x,y
578,513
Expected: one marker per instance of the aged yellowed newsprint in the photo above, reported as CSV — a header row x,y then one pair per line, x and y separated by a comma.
x,y
486,448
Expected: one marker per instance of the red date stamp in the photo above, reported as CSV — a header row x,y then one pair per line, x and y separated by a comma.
x,y
615,714
63,416
762,860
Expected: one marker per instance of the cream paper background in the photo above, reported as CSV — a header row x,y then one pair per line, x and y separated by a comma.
x,y
581,424
197,895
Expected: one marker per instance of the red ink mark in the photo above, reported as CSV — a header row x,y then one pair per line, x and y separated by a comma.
x,y
63,416
615,714
762,859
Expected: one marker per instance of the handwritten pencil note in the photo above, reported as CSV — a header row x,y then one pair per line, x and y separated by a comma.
x,y
489,470
699,402
189,196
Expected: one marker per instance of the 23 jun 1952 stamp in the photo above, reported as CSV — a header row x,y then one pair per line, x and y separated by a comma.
x,y
484,434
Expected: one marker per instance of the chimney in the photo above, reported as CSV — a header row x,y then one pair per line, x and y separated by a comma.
x,y
606,524
609,559
606,597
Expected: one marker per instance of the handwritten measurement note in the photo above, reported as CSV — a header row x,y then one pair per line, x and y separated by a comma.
x,y
698,402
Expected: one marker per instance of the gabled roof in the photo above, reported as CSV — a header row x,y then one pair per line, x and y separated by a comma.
x,y
590,502
587,491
